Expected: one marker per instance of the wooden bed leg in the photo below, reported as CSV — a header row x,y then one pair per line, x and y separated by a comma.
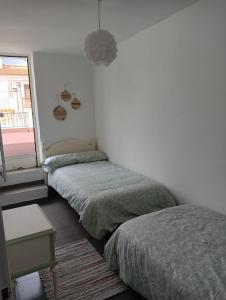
x,y
14,288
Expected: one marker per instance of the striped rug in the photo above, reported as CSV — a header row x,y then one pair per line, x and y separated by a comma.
x,y
82,274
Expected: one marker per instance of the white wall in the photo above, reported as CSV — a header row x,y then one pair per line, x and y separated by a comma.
x,y
161,106
52,71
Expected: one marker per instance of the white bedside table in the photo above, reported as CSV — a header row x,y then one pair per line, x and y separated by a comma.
x,y
30,241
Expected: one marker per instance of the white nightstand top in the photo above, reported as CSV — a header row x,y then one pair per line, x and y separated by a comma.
x,y
25,222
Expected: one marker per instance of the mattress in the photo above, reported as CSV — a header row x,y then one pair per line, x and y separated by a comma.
x,y
106,195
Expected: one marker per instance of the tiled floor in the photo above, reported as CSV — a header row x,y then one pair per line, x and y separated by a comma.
x,y
68,229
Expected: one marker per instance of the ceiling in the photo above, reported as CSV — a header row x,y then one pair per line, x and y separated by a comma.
x,y
60,26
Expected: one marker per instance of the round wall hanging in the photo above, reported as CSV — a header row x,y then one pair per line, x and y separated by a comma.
x,y
65,95
59,113
75,104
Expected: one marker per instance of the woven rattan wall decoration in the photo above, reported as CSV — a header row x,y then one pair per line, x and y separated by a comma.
x,y
65,95
75,103
60,113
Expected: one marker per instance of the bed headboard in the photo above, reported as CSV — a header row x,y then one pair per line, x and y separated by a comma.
x,y
68,146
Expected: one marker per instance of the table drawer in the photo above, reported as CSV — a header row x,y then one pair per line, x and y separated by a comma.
x,y
31,254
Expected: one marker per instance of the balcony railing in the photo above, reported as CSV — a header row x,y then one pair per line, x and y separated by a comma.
x,y
14,120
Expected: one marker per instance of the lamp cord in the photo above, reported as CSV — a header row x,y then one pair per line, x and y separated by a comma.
x,y
99,13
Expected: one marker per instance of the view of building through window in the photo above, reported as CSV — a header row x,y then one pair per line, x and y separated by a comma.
x,y
16,113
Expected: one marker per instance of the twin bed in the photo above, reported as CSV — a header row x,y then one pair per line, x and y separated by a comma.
x,y
178,253
104,195
161,250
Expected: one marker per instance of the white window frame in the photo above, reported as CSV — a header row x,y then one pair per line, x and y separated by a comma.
x,y
34,105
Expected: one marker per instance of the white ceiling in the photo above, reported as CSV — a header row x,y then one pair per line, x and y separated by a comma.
x,y
60,26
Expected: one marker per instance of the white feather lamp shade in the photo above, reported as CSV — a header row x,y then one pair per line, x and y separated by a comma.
x,y
100,47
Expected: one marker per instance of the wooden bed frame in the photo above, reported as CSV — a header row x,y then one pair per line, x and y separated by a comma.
x,y
68,146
